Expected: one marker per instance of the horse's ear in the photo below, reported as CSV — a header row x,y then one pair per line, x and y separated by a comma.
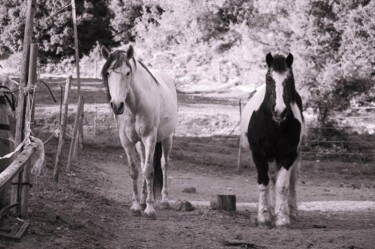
x,y
130,52
269,59
289,60
105,52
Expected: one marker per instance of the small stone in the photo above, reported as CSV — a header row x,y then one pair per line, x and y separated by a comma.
x,y
183,206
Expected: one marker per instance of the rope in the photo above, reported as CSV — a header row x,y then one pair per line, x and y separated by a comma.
x,y
55,133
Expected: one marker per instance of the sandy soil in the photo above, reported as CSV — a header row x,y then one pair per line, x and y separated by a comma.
x,y
89,208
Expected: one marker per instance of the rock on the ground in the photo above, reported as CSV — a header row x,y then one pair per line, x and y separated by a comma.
x,y
183,206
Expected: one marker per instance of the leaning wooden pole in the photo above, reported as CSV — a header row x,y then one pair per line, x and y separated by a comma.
x,y
75,132
20,112
64,115
78,142
26,174
76,49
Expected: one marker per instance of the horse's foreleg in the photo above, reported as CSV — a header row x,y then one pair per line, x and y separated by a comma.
x,y
282,192
292,201
167,146
133,172
148,174
141,151
264,215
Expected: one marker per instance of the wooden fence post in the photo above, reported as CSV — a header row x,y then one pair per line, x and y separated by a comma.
x,y
75,132
64,115
4,145
26,175
239,147
74,17
20,112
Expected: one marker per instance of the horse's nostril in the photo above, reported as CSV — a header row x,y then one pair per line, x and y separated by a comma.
x,y
121,106
111,104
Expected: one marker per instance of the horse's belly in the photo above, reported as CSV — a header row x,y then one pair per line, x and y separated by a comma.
x,y
168,122
168,112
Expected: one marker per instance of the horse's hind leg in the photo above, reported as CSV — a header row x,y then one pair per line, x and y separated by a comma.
x,y
167,146
292,200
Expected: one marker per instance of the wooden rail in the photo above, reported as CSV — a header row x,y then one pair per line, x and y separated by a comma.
x,y
17,165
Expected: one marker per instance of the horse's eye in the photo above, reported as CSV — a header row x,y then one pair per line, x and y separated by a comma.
x,y
128,73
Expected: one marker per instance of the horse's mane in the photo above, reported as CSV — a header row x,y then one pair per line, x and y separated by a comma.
x,y
144,66
117,58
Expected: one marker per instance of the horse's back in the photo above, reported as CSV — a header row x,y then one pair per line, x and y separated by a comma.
x,y
252,105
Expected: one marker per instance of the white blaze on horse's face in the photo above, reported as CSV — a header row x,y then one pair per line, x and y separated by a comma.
x,y
119,80
117,73
279,79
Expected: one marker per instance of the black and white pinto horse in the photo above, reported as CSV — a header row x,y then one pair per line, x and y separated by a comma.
x,y
272,123
145,107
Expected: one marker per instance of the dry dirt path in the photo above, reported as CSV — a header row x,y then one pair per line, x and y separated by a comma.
x,y
205,228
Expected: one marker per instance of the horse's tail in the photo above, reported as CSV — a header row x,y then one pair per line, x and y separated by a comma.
x,y
158,173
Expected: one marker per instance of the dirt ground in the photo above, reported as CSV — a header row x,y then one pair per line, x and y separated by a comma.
x,y
89,208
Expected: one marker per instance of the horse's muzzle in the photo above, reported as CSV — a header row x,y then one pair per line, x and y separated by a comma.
x,y
117,108
279,117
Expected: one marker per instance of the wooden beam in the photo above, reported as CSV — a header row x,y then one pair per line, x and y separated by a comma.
x,y
4,145
74,16
75,132
17,165
21,106
26,175
64,116
20,113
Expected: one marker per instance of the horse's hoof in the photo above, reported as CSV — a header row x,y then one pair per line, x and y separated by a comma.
x,y
143,206
151,215
265,224
135,212
293,215
265,218
282,222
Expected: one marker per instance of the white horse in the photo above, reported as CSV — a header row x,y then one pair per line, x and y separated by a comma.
x,y
145,106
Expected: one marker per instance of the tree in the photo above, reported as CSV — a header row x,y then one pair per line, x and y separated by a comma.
x,y
54,32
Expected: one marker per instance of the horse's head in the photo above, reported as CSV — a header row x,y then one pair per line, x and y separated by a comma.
x,y
117,75
279,85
